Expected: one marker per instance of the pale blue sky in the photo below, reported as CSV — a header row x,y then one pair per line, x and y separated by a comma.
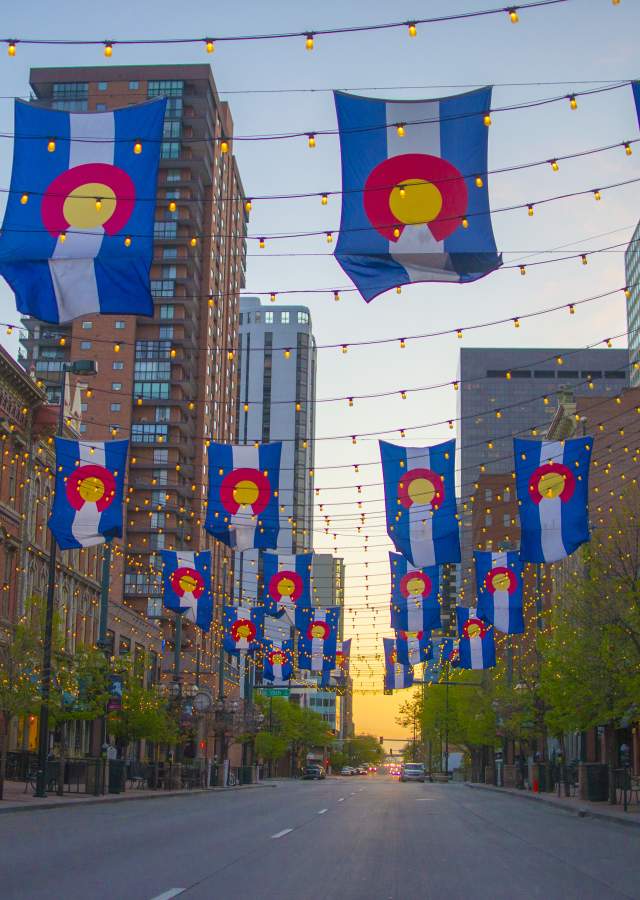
x,y
582,40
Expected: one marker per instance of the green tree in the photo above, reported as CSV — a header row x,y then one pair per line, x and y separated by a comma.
x,y
144,715
363,749
293,729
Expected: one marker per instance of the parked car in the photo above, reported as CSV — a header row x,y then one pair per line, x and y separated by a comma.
x,y
314,772
347,770
412,772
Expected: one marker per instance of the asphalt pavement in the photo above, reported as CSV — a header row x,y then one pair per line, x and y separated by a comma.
x,y
358,838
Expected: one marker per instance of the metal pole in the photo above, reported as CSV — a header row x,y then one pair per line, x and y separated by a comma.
x,y
43,730
177,676
446,724
102,624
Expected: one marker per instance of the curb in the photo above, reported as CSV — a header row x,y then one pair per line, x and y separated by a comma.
x,y
75,804
580,811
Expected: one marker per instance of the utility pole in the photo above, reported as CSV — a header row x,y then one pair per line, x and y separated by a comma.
x,y
81,367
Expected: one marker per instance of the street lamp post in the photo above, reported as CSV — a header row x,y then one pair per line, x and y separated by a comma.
x,y
81,367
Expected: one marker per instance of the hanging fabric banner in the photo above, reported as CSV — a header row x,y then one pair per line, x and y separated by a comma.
x,y
77,236
396,676
337,676
242,509
414,596
413,647
499,589
277,660
415,199
187,585
420,502
87,507
286,583
476,645
446,650
552,483
635,85
317,640
243,629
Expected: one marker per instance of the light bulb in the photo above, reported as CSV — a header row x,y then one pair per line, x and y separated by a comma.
x,y
597,195
224,146
247,205
465,222
530,209
210,46
554,164
329,237
272,297
336,296
513,15
51,146
11,50
572,309
108,49
193,241
627,148
396,232
487,119
309,42
311,141
24,199
573,103
479,181
137,148
398,289
261,243
516,323
412,29
400,129
287,353
172,206
523,270
584,259
324,199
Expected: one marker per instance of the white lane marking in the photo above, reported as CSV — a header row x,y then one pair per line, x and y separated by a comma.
x,y
353,793
173,892
282,833
321,812
340,799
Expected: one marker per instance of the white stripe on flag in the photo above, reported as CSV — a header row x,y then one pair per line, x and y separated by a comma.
x,y
475,651
86,521
501,610
415,615
72,263
413,650
186,559
416,240
550,509
242,522
420,516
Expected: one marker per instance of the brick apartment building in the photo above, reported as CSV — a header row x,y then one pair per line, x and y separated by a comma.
x,y
167,383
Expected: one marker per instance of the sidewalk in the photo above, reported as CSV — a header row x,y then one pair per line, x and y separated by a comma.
x,y
571,805
16,800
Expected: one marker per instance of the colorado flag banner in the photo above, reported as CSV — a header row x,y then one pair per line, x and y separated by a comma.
x,y
475,645
243,629
552,483
337,676
415,199
77,236
447,650
396,676
499,589
242,509
277,663
414,596
420,502
286,583
317,640
413,647
187,585
87,507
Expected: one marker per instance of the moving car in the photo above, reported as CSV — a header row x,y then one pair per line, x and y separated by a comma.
x,y
412,772
314,772
347,770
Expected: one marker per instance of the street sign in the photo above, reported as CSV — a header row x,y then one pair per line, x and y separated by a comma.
x,y
269,691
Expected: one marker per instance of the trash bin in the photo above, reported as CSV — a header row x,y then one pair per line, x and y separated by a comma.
x,y
597,782
117,772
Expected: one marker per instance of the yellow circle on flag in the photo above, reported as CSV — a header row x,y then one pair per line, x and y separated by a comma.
x,y
415,201
89,205
421,491
551,485
91,489
188,583
245,493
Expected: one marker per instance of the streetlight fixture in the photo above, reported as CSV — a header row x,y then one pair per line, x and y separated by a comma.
x,y
79,367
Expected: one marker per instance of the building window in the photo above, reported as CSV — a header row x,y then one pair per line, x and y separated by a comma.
x,y
173,175
101,107
166,231
148,433
102,85
87,326
116,386
170,253
487,494
303,318
167,310
85,345
117,366
83,428
124,646
71,96
134,85
163,288
170,150
115,407
84,407
284,317
165,88
163,413
161,456
268,317
506,520
166,332
119,324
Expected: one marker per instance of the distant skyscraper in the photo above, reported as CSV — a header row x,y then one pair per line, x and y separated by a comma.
x,y
632,279
502,394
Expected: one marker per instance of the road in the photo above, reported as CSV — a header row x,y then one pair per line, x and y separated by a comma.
x,y
354,838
